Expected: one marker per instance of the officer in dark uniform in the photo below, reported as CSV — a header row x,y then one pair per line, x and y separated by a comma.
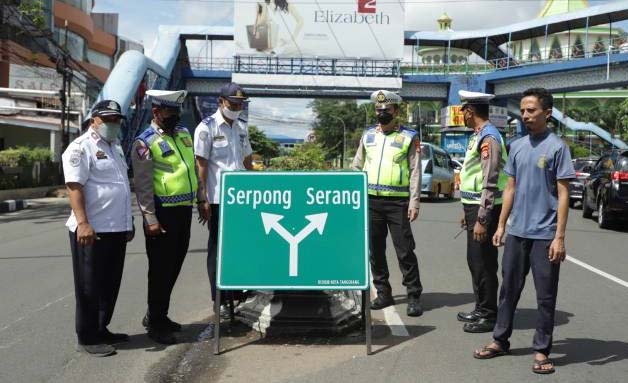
x,y
100,225
166,186
390,155
482,182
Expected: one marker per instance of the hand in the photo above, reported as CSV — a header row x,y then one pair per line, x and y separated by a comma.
x,y
479,232
85,234
413,214
498,238
130,234
463,223
557,252
154,230
204,212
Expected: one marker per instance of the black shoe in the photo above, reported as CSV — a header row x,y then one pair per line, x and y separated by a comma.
x,y
471,317
382,301
100,349
162,336
225,312
166,324
414,308
113,338
482,325
172,325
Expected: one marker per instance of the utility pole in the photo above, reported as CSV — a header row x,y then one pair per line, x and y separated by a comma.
x,y
66,73
344,138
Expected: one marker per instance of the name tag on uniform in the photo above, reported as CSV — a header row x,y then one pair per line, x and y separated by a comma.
x,y
187,142
220,142
165,148
370,139
100,155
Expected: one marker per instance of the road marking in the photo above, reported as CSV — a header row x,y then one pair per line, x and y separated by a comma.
x,y
392,318
29,314
597,271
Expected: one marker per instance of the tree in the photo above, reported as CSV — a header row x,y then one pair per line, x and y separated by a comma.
x,y
261,144
328,124
622,119
309,156
33,9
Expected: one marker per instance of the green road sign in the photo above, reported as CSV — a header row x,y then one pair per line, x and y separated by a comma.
x,y
285,230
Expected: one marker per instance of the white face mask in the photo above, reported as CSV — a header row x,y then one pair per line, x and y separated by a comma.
x,y
109,130
231,114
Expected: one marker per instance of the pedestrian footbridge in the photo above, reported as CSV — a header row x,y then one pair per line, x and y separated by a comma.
x,y
501,71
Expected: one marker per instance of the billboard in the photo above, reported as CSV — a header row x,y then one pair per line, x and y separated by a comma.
x,y
454,143
41,78
318,28
452,116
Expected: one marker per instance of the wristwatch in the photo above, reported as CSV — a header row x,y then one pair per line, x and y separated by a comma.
x,y
482,220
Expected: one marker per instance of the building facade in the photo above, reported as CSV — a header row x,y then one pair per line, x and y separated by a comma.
x,y
33,36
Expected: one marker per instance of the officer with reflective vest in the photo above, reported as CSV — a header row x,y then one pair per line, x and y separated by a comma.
x,y
166,186
482,182
390,155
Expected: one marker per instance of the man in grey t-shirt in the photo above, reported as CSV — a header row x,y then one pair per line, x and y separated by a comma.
x,y
537,201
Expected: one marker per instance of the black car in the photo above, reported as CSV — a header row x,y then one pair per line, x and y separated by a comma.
x,y
583,167
606,190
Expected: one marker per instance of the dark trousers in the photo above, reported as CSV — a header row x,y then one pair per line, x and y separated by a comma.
x,y
521,254
482,261
166,253
392,214
97,275
212,257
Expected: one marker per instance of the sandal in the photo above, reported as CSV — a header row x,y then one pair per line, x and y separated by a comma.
x,y
492,352
537,367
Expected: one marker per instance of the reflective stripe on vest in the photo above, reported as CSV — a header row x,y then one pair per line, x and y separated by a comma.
x,y
174,177
386,162
471,179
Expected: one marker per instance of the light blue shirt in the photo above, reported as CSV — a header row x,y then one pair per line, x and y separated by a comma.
x,y
537,163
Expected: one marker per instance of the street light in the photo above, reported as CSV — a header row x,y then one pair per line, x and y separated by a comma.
x,y
344,138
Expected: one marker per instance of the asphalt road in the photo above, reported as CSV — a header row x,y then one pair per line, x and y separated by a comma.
x,y
37,338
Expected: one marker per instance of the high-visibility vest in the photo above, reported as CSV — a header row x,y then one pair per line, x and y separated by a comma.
x,y
471,179
174,177
386,161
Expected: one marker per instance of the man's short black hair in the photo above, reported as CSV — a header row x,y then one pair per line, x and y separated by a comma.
x,y
545,98
480,110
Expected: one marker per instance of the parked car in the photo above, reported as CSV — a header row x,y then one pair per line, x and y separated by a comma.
x,y
606,190
583,167
438,172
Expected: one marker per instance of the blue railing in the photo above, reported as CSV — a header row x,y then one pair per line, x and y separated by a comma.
x,y
299,66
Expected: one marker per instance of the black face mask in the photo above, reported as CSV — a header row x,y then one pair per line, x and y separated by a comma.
x,y
384,117
170,122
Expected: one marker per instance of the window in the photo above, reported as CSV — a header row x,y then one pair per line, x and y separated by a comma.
x,y
439,160
100,59
83,5
426,151
622,163
76,44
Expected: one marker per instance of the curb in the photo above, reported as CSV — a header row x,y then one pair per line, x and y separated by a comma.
x,y
13,205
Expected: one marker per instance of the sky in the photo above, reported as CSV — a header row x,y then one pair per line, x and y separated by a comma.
x,y
139,20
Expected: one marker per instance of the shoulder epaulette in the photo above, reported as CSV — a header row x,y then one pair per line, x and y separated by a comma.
x,y
208,119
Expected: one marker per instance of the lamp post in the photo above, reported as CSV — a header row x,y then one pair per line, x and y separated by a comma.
x,y
344,138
